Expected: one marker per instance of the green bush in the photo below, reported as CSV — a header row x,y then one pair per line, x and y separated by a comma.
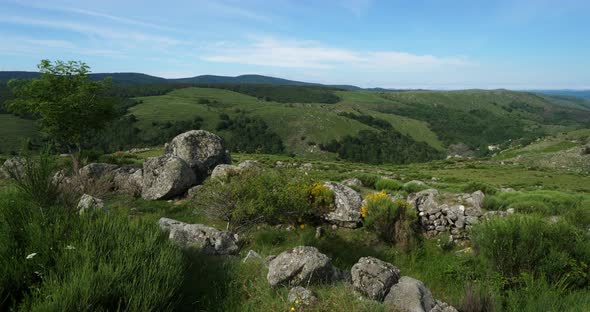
x,y
413,187
388,185
530,244
59,261
267,196
90,156
368,179
480,186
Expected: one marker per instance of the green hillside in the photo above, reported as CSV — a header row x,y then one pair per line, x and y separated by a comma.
x,y
13,130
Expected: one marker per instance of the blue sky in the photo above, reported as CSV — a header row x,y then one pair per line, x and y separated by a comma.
x,y
439,44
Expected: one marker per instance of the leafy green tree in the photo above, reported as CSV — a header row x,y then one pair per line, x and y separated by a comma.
x,y
69,106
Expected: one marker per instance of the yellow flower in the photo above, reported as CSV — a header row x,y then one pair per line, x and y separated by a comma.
x,y
292,308
364,211
302,226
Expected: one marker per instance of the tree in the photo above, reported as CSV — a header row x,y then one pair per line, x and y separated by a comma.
x,y
69,106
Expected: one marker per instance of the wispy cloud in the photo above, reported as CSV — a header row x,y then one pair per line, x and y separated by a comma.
x,y
273,52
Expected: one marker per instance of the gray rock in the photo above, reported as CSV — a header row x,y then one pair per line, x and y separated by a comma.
x,y
14,166
353,182
128,180
443,307
249,165
301,296
202,151
409,295
204,238
165,177
373,277
477,199
89,203
347,206
223,172
193,192
507,190
417,182
301,265
97,171
253,256
307,166
319,232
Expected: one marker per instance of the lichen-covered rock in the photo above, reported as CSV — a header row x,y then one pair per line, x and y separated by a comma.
x,y
165,177
202,150
353,182
253,256
249,165
373,277
409,295
204,238
97,171
224,172
14,166
301,265
347,206
89,203
128,180
302,296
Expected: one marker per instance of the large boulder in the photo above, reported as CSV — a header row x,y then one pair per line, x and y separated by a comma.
x,y
347,206
165,177
202,150
301,265
409,295
373,277
204,238
128,180
14,166
89,203
224,172
97,171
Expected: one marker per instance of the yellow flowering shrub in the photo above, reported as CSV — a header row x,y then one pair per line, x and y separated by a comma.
x,y
391,219
321,198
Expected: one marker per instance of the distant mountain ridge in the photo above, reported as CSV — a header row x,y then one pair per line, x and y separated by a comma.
x,y
139,78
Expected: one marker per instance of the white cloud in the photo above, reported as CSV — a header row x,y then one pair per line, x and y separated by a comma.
x,y
273,52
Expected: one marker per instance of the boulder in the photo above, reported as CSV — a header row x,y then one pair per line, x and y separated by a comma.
x,y
477,199
253,256
224,172
347,206
353,182
202,150
96,171
206,239
128,180
249,165
417,182
12,166
301,265
89,203
443,307
409,295
193,192
301,296
373,277
165,177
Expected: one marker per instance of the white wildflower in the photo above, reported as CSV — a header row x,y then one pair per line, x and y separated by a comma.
x,y
70,247
31,256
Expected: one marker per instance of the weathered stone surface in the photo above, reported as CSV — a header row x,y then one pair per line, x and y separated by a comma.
x,y
249,165
409,295
89,203
193,192
353,182
165,177
128,180
204,238
301,296
347,206
224,172
373,277
202,151
97,171
443,307
416,182
301,265
12,166
253,256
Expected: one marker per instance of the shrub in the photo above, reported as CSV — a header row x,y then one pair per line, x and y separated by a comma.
x,y
368,179
321,198
391,220
60,261
579,216
413,187
268,196
388,184
480,186
529,243
89,156
546,202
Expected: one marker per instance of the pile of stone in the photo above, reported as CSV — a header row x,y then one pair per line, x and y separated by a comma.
x,y
455,213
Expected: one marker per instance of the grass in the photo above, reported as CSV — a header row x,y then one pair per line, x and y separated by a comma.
x,y
13,130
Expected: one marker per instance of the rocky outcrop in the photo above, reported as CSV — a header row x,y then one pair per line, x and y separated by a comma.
x,y
89,203
301,296
14,166
373,277
204,238
201,150
409,295
347,206
223,172
353,182
165,177
301,265
128,180
97,171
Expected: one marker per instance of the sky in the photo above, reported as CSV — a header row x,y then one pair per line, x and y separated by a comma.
x,y
433,44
